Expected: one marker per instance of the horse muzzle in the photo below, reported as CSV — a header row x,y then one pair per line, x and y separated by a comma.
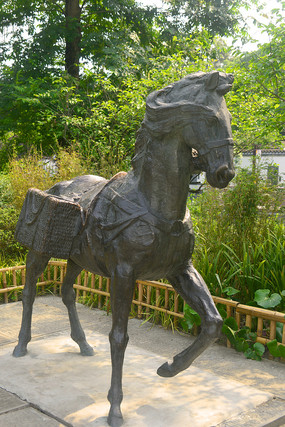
x,y
220,177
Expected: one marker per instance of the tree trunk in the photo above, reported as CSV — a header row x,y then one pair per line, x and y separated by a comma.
x,y
72,37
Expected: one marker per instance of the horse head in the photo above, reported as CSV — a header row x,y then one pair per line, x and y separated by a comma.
x,y
194,110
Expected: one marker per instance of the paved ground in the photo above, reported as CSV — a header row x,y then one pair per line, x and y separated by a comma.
x,y
53,385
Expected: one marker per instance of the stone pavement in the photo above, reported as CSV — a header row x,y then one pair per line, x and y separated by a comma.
x,y
53,385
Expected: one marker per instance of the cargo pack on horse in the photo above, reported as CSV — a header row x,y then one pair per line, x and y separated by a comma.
x,y
136,225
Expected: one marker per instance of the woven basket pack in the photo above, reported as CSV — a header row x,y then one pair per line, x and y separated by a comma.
x,y
48,224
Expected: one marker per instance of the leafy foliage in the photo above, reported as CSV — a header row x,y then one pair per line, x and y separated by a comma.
x,y
258,97
30,172
218,17
191,318
241,244
42,37
9,248
275,349
263,299
243,339
97,115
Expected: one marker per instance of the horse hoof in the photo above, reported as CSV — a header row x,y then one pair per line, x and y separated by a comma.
x,y
166,371
115,419
19,351
86,350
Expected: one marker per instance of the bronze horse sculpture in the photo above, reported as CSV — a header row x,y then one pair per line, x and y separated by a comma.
x,y
136,225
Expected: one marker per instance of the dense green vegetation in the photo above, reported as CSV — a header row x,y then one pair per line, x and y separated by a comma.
x,y
240,246
44,38
131,51
258,99
240,252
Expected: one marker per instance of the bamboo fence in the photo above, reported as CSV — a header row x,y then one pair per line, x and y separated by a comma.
x,y
151,299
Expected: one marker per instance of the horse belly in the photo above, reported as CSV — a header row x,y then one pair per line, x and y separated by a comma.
x,y
88,252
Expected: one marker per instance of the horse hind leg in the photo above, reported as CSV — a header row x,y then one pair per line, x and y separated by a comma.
x,y
68,298
35,266
191,286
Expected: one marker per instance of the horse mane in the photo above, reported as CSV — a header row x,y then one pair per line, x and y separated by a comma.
x,y
151,123
172,107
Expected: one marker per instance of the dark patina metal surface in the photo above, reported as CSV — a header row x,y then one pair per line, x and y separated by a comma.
x,y
137,226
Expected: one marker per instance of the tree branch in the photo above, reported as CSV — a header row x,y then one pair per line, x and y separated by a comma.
x,y
196,191
56,5
270,91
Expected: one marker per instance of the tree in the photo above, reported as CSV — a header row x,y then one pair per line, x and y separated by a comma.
x,y
45,36
72,37
95,115
258,97
219,17
126,46
41,37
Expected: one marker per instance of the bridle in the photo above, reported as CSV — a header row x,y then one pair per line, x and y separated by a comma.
x,y
210,145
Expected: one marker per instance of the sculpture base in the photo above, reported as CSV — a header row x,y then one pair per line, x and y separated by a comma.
x,y
56,378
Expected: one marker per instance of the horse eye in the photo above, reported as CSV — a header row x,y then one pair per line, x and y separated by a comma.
x,y
212,121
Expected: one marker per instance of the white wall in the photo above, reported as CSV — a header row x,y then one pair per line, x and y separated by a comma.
x,y
265,161
246,162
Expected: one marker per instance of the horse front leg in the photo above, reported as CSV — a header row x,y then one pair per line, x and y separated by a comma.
x,y
191,286
68,298
122,286
35,266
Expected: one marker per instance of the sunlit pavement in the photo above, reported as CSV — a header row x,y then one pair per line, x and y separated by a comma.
x,y
53,385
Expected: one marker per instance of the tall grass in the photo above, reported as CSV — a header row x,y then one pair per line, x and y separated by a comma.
x,y
240,237
10,250
255,267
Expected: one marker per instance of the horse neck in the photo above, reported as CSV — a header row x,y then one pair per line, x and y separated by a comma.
x,y
164,177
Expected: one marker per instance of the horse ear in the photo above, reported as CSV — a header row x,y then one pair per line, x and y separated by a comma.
x,y
212,80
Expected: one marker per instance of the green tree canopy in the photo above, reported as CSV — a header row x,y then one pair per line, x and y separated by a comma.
x,y
258,97
45,36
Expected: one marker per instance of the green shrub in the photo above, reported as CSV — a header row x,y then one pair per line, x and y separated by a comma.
x,y
28,172
240,238
9,248
99,114
24,173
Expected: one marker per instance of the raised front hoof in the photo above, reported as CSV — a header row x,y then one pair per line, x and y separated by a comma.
x,y
167,370
86,350
20,351
172,369
115,418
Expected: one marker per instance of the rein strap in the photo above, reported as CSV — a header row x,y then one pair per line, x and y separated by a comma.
x,y
215,144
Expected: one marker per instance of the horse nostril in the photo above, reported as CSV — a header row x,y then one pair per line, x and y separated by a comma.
x,y
221,173
231,174
224,174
